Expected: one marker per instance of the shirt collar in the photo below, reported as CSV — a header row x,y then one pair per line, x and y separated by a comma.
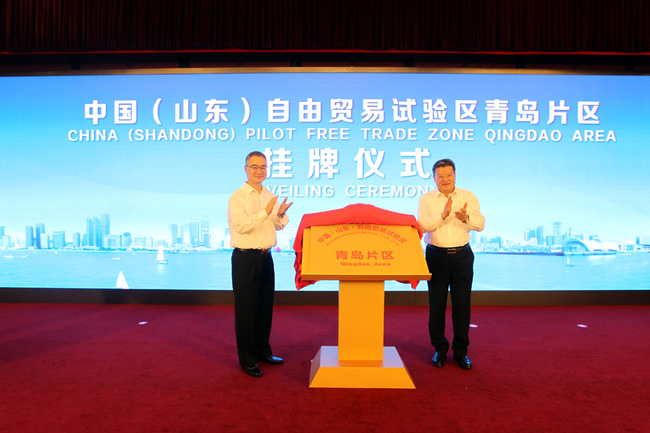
x,y
438,193
250,189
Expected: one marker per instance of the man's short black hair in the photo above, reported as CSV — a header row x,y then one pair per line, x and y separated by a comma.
x,y
254,153
444,163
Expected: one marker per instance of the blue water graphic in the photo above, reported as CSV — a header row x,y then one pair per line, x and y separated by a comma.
x,y
211,271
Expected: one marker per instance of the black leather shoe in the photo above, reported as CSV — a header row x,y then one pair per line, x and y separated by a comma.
x,y
253,371
438,359
272,360
463,362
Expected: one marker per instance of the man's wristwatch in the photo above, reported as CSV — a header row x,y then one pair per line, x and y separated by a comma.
x,y
281,215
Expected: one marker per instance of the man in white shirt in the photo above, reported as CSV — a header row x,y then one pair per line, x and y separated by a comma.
x,y
254,215
447,215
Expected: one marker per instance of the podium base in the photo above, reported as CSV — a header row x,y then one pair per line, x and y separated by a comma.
x,y
328,372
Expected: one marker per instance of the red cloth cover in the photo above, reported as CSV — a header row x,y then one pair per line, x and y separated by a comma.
x,y
352,214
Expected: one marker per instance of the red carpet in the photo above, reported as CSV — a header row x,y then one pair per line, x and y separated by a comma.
x,y
94,368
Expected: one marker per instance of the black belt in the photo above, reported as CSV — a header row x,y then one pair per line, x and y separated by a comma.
x,y
254,250
448,250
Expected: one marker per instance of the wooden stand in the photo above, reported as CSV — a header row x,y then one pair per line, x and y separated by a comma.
x,y
361,360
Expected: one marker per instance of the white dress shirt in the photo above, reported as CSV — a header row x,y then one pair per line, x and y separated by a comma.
x,y
450,232
250,226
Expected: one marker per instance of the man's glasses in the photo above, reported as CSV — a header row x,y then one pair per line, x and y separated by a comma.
x,y
257,167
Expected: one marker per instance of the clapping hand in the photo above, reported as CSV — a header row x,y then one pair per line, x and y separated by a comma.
x,y
284,207
447,210
462,213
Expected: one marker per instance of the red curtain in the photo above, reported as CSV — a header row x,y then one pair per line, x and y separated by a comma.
x,y
520,26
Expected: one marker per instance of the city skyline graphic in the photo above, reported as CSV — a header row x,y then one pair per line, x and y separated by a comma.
x,y
196,235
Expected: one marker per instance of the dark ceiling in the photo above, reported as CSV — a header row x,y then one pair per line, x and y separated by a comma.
x,y
41,36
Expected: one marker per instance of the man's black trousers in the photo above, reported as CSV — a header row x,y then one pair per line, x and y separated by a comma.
x,y
454,273
253,281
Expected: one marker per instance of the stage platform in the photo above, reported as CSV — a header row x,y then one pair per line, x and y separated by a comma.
x,y
173,368
311,297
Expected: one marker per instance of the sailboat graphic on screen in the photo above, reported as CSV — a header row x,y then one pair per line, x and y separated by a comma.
x,y
121,282
160,259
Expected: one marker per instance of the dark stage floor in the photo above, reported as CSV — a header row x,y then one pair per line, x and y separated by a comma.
x,y
163,368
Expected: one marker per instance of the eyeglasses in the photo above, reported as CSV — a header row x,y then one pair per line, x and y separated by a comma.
x,y
257,167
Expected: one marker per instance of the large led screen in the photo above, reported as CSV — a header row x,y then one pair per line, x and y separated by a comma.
x,y
101,174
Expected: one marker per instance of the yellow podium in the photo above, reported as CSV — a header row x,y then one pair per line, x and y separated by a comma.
x,y
362,257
